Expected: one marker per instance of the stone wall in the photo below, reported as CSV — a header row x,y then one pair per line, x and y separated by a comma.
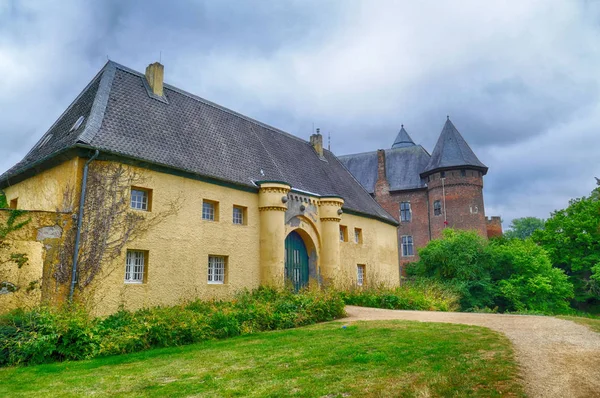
x,y
494,226
27,256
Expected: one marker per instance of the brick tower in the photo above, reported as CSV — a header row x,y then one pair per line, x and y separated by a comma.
x,y
454,178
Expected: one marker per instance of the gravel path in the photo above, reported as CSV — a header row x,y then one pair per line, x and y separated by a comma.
x,y
558,358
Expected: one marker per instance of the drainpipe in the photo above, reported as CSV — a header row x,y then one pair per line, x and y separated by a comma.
x,y
79,220
444,197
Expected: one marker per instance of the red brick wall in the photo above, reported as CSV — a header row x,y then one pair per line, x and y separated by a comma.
x,y
464,208
494,226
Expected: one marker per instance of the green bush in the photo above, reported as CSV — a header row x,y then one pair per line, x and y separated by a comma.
x,y
3,203
49,334
417,294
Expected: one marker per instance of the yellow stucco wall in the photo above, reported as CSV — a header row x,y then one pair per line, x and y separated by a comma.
x,y
46,190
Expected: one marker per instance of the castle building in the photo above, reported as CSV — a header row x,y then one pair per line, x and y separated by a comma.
x,y
255,205
426,193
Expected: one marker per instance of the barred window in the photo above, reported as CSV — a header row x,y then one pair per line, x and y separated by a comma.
x,y
216,269
405,212
134,266
360,275
437,208
139,199
208,210
407,246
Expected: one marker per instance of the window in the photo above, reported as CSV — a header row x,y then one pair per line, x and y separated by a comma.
x,y
239,215
405,212
437,208
358,236
463,173
135,266
343,233
360,275
13,203
210,210
443,174
407,246
140,199
216,269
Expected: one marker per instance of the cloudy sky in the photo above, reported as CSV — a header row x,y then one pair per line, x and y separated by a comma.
x,y
519,79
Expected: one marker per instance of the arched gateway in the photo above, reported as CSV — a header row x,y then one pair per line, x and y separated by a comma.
x,y
296,260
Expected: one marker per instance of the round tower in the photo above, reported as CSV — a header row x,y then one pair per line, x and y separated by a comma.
x,y
454,178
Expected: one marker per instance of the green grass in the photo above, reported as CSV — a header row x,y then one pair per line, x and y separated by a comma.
x,y
366,359
592,323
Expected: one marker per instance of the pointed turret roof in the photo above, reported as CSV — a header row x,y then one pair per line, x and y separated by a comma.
x,y
403,140
452,151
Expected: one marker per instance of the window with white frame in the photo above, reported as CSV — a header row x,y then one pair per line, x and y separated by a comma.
x,y
216,269
405,212
358,236
135,266
343,233
437,208
239,215
210,210
360,275
407,246
140,199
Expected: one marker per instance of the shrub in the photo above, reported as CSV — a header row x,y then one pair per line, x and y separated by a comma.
x,y
49,334
418,294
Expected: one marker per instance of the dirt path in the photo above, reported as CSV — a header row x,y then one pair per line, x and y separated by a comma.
x,y
558,358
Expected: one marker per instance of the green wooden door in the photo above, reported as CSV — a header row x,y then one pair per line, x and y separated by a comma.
x,y
296,261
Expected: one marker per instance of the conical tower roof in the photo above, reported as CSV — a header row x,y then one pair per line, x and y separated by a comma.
x,y
403,140
452,151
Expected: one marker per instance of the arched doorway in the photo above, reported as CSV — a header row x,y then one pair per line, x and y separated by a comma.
x,y
296,260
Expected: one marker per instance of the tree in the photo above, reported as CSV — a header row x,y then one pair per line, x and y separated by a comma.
x,y
572,238
523,228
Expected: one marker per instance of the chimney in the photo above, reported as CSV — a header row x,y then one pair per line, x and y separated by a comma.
x,y
316,140
154,74
382,186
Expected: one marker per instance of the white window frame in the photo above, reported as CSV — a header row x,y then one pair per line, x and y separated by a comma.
x,y
217,267
208,210
139,199
361,269
238,215
438,202
135,264
405,211
357,235
408,242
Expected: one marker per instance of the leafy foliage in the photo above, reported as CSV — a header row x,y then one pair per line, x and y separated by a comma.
x,y
3,202
506,274
418,294
523,228
46,334
572,239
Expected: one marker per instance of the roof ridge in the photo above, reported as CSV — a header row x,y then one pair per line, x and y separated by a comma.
x,y
213,104
96,115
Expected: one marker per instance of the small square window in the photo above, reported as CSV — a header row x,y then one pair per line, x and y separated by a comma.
x,y
13,203
140,198
239,215
358,238
135,266
437,208
360,274
343,233
443,174
407,246
405,212
217,267
210,210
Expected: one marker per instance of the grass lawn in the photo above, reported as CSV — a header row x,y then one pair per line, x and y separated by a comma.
x,y
592,323
366,359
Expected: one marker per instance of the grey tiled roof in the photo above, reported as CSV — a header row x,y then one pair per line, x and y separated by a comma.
x,y
403,139
402,166
188,133
452,150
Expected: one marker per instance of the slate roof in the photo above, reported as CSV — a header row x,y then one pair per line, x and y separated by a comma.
x,y
403,139
452,151
188,133
402,167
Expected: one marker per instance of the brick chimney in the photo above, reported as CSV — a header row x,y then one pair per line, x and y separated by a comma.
x,y
382,186
154,74
316,140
